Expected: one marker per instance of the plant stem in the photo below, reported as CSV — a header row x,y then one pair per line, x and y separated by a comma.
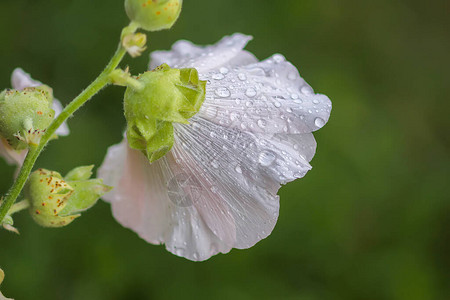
x,y
34,152
24,204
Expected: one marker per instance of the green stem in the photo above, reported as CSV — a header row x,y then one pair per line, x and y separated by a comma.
x,y
34,152
24,204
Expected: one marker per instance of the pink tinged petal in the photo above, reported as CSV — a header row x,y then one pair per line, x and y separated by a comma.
x,y
145,199
20,80
265,97
226,53
11,156
217,188
63,130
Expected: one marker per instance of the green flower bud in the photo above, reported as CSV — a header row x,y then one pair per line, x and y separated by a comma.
x,y
153,15
25,115
56,201
135,43
166,95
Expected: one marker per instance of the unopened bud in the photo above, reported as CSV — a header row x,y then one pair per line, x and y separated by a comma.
x,y
135,43
56,201
25,115
168,95
153,15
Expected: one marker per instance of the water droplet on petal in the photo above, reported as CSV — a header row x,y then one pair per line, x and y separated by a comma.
x,y
262,123
294,96
242,76
266,158
224,70
238,169
222,92
315,101
215,164
250,92
218,76
277,104
278,58
319,122
234,116
306,90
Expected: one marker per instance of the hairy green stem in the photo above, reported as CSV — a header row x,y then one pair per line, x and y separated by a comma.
x,y
34,152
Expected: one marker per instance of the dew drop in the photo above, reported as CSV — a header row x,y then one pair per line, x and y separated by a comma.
x,y
234,116
262,123
224,70
249,103
222,92
278,58
319,122
242,76
250,92
238,169
218,76
306,90
294,96
277,104
215,164
266,158
315,101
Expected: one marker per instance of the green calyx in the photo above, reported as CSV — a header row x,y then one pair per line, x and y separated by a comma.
x,y
25,115
165,96
153,15
55,201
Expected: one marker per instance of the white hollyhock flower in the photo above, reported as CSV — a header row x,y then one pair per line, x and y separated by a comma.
x,y
19,81
217,188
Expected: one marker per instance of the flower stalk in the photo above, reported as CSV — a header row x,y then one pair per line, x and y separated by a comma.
x,y
34,151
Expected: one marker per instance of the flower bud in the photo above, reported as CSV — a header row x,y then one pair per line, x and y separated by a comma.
x,y
25,115
153,15
166,95
56,201
135,43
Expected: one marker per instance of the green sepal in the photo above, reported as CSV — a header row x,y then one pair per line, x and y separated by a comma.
x,y
85,195
165,96
80,173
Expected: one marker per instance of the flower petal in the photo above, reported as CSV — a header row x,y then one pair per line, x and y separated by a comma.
x,y
214,191
265,97
20,80
11,156
226,53
142,201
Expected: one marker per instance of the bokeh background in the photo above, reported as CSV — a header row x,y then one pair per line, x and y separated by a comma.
x,y
370,221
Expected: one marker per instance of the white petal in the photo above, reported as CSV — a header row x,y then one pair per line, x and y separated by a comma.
x,y
214,191
20,80
11,156
265,97
63,130
141,200
226,53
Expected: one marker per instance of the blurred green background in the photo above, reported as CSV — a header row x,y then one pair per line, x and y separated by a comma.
x,y
370,221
